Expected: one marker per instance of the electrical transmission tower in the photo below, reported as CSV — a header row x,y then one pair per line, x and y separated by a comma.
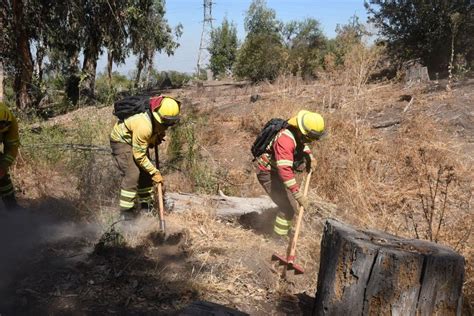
x,y
203,55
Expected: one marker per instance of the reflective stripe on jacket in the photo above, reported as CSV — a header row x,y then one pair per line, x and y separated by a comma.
x,y
139,132
280,155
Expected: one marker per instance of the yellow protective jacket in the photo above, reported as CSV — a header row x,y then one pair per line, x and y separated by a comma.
x,y
10,140
140,132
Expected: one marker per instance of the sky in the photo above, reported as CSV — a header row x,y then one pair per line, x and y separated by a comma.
x,y
190,14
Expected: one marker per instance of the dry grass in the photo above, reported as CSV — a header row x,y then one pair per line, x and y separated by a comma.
x,y
381,178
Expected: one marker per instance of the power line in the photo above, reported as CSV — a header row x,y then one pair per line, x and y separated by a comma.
x,y
203,54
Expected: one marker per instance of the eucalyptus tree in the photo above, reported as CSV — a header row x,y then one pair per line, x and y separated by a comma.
x,y
15,51
305,41
150,33
423,29
223,48
263,40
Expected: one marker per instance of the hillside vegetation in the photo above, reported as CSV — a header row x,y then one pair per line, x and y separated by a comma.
x,y
396,94
388,163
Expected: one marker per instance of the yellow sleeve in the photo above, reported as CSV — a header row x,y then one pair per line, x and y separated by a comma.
x,y
11,142
141,138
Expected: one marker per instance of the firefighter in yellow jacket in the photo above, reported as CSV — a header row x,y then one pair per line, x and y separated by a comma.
x,y
130,140
11,141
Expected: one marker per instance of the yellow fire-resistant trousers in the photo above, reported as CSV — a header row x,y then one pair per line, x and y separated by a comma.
x,y
282,197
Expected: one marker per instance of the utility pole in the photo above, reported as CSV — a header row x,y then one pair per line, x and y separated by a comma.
x,y
203,55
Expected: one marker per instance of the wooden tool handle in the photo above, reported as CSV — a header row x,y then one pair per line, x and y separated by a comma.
x,y
292,249
161,205
157,160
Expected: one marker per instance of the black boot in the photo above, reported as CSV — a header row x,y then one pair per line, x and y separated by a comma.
x,y
10,202
146,208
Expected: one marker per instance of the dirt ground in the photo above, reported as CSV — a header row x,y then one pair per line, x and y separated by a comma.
x,y
76,268
56,262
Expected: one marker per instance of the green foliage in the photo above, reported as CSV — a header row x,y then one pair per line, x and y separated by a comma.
x,y
253,60
421,29
347,36
260,19
263,41
58,31
107,92
150,33
170,79
305,42
223,48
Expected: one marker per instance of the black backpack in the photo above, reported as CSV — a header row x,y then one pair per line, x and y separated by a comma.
x,y
266,135
131,105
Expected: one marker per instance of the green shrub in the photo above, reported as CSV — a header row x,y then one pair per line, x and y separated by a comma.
x,y
262,56
169,79
107,92
223,48
253,60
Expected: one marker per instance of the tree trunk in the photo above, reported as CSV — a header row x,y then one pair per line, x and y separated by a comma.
x,y
110,63
225,206
24,62
139,70
91,54
73,79
374,273
40,52
149,70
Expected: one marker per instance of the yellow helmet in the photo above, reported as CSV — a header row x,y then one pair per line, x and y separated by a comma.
x,y
167,110
6,117
310,124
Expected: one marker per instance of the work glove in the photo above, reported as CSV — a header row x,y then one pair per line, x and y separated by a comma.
x,y
157,178
302,201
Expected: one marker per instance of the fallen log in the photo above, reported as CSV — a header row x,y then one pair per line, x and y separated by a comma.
x,y
225,206
228,206
374,273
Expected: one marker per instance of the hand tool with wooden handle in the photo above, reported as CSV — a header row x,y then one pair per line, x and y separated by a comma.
x,y
159,195
289,261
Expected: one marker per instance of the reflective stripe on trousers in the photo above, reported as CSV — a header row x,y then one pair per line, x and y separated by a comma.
x,y
145,195
127,198
282,225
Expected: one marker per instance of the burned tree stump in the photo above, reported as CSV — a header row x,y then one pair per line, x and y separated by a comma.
x,y
374,273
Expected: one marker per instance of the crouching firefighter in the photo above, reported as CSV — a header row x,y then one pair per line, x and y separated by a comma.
x,y
142,124
11,141
280,150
